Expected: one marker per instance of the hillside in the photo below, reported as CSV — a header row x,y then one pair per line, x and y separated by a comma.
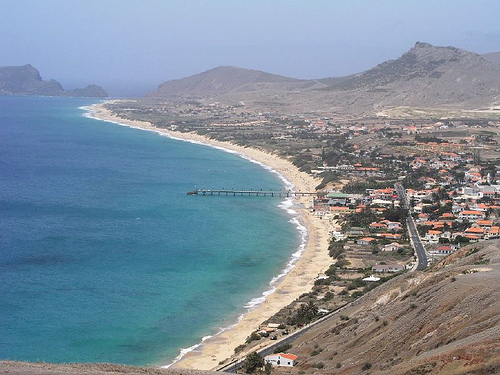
x,y
26,368
224,80
442,321
424,77
26,80
427,76
493,57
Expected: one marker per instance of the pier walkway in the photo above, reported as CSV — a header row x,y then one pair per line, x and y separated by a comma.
x,y
257,193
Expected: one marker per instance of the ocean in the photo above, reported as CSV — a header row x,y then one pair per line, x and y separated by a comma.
x,y
103,256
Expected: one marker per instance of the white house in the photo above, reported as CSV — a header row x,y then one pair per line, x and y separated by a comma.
x,y
386,268
471,215
394,225
392,247
432,236
280,359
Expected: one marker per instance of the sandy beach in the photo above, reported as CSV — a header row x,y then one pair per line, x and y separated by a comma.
x,y
299,280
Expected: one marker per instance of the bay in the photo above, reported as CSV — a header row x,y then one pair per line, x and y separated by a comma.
x,y
103,256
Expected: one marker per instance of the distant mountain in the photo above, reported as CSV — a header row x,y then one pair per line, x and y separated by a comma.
x,y
426,76
223,80
493,57
26,80
91,91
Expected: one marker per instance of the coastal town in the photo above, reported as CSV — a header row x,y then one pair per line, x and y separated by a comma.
x,y
250,187
380,178
449,168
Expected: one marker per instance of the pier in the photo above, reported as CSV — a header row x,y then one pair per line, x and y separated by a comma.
x,y
257,193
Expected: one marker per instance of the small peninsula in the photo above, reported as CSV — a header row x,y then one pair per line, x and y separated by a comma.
x,y
26,80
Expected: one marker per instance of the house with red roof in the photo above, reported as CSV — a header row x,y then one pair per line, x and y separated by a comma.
x,y
378,226
281,359
493,233
432,236
471,215
485,223
383,194
474,232
366,241
390,236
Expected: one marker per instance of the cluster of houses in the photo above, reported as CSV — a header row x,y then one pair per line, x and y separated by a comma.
x,y
335,205
448,211
468,217
380,235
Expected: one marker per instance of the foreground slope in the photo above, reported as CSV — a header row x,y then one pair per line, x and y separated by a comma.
x,y
26,80
24,368
442,321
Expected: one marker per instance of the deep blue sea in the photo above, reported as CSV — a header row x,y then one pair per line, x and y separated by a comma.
x,y
103,256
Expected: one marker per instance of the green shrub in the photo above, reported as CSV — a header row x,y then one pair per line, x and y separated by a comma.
x,y
318,365
366,366
253,337
316,352
239,348
282,348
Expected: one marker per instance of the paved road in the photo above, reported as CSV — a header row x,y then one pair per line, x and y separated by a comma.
x,y
417,244
282,341
422,264
412,229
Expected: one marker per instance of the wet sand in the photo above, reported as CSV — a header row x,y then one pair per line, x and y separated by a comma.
x,y
299,280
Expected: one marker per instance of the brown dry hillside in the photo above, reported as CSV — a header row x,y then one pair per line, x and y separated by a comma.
x,y
24,368
493,57
442,321
424,77
223,80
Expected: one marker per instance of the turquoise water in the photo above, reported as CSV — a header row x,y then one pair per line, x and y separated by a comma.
x,y
103,256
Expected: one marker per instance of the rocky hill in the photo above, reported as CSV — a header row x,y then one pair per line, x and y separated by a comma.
x,y
224,80
424,77
90,91
427,76
26,80
442,321
493,57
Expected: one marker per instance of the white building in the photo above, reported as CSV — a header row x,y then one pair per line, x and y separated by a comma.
x,y
392,247
280,359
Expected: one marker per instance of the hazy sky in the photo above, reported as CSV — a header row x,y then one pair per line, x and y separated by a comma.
x,y
130,47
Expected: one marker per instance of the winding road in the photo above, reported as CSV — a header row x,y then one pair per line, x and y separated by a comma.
x,y
422,264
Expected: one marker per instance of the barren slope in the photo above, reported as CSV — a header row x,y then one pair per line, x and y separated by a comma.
x,y
443,321
223,80
424,77
492,56
25,368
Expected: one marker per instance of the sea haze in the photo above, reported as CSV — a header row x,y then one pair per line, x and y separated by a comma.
x,y
103,256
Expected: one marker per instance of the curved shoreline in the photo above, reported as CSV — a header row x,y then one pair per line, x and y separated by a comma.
x,y
296,278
